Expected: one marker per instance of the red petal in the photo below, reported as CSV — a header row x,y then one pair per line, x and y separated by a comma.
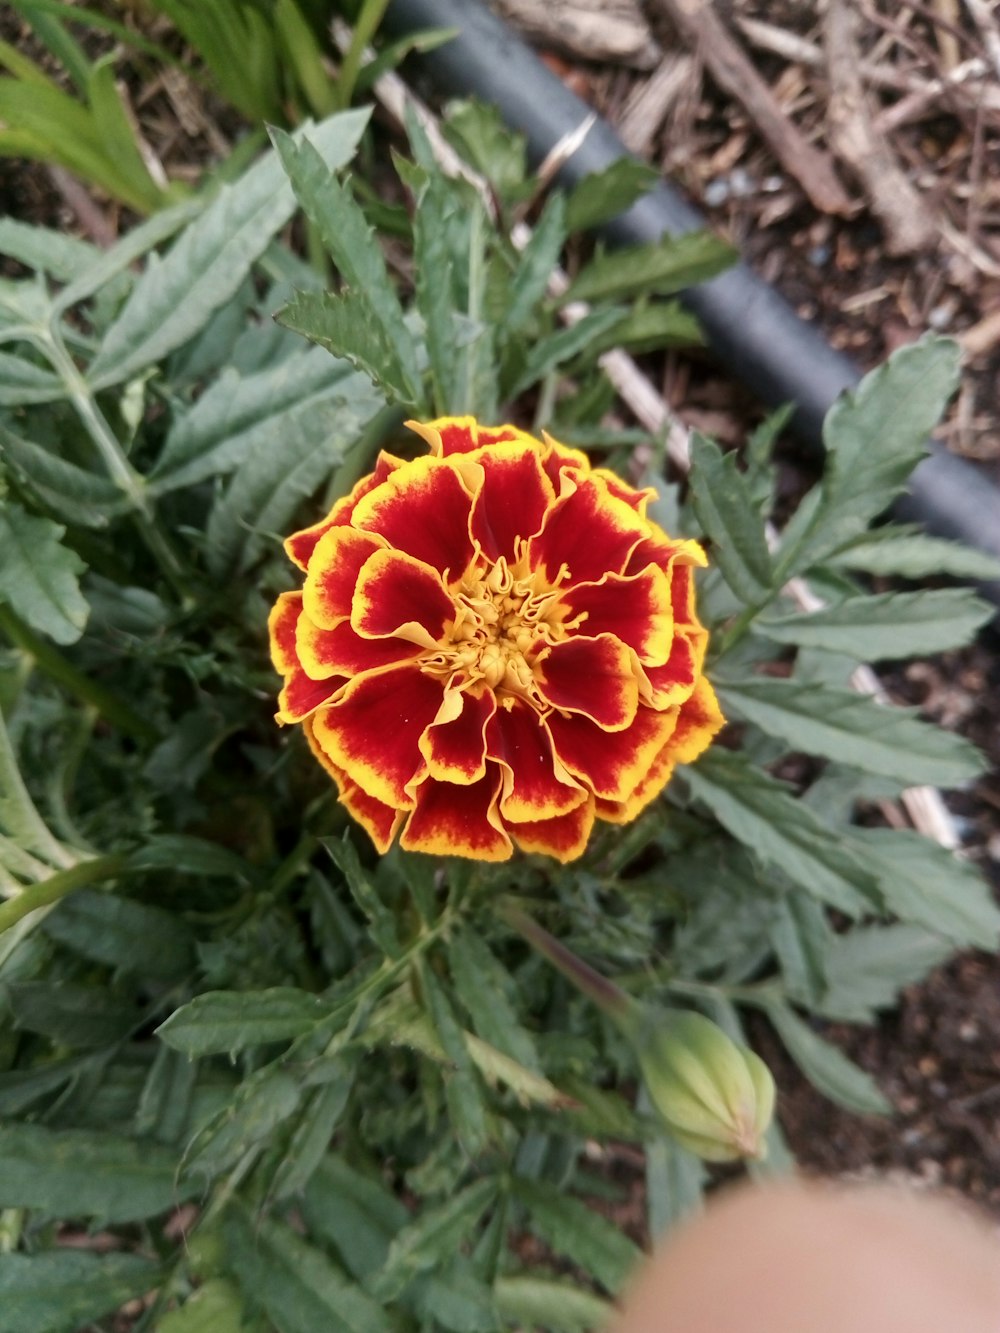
x,y
588,531
460,435
422,509
454,819
595,677
454,745
373,730
301,693
379,821
650,785
300,545
678,560
561,459
612,763
513,500
397,595
564,837
636,608
340,553
342,652
673,682
621,490
699,722
536,786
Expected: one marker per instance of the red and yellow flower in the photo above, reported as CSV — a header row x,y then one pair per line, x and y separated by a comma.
x,y
493,647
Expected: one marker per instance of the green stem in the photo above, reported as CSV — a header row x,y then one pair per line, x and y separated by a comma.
x,y
364,30
608,997
49,660
21,819
57,886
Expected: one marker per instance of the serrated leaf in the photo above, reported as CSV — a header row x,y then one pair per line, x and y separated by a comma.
x,y
874,437
316,1126
433,1238
63,1289
485,988
555,349
261,1103
583,1235
434,283
763,814
46,249
724,507
71,1015
175,297
39,576
884,625
76,495
223,1022
352,245
802,940
477,131
534,1302
535,265
916,556
354,1213
854,730
345,325
188,855
78,1173
23,382
20,1088
650,326
121,933
868,967
299,1287
929,885
827,1067
365,892
661,268
462,1086
602,195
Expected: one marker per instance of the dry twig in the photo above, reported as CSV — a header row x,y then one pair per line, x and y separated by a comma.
x,y
647,108
704,31
905,218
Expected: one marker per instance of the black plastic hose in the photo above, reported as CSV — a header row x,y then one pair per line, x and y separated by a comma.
x,y
749,326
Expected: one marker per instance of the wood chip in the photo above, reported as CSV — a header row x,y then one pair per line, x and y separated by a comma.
x,y
648,107
613,30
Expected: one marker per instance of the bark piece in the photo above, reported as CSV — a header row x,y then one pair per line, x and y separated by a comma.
x,y
613,30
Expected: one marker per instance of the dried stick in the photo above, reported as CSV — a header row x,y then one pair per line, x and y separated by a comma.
x,y
647,109
924,805
905,218
724,58
986,20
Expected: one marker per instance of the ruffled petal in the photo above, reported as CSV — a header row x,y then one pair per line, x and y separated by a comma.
x,y
461,435
611,763
400,596
337,560
668,685
512,501
536,784
300,545
301,693
380,821
564,837
635,607
453,819
700,720
372,732
587,533
342,652
561,461
454,745
595,677
423,509
621,490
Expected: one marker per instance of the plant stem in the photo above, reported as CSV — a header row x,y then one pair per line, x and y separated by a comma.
x,y
51,661
364,30
57,886
21,819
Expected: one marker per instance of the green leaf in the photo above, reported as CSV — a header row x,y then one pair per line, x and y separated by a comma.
x,y
76,495
884,626
346,326
534,1302
874,438
352,245
555,349
827,1067
79,1173
578,1232
462,1086
215,1307
354,1213
317,1123
138,938
433,263
930,886
651,325
802,940
22,382
602,195
477,131
363,889
661,268
868,967
175,297
71,1015
187,855
536,263
262,1102
299,1288
224,1022
486,989
724,508
39,576
763,814
675,1184
433,1238
911,555
854,730
45,249
59,1290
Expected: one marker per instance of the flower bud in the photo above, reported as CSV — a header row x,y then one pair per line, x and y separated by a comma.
x,y
716,1097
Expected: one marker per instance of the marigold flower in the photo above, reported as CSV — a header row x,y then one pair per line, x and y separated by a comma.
x,y
493,647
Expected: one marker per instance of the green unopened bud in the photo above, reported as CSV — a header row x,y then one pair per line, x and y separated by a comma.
x,y
716,1097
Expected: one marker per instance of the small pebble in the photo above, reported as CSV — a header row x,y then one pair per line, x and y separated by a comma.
x,y
716,192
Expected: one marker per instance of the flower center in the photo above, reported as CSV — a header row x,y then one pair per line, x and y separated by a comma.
x,y
504,616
